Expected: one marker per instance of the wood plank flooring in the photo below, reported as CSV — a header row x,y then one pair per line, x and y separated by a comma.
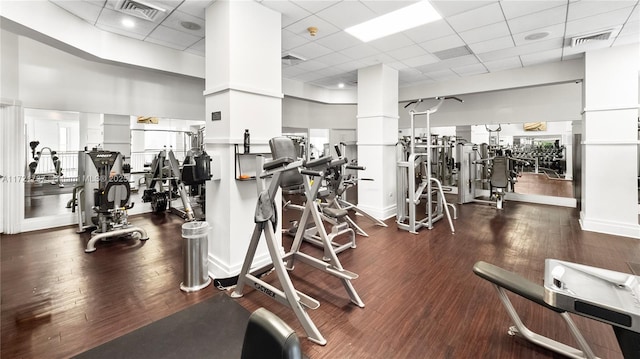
x,y
422,299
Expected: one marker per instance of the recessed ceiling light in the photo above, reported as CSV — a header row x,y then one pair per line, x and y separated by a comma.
x,y
536,36
394,22
128,23
341,85
190,25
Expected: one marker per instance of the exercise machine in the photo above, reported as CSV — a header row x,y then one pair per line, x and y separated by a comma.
x,y
414,179
266,222
104,198
603,295
39,171
167,182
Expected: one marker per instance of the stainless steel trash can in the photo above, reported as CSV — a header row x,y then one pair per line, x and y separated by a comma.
x,y
195,250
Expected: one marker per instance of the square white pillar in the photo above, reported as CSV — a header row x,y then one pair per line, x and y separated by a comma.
x,y
377,138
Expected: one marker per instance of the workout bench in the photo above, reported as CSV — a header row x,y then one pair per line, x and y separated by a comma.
x,y
505,280
596,293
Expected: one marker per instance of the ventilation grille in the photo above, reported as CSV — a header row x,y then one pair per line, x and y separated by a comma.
x,y
453,52
139,9
290,59
599,36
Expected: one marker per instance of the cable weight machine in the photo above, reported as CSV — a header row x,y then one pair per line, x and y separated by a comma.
x,y
415,181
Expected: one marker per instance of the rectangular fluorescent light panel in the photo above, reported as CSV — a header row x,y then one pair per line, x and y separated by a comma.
x,y
394,22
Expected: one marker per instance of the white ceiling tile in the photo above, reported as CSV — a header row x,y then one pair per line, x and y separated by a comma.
x,y
292,71
449,8
554,55
290,12
311,66
391,42
492,45
378,59
598,22
196,7
168,5
315,6
442,75
338,41
398,65
410,75
346,14
309,76
503,64
407,52
553,16
522,50
324,28
450,63
178,38
311,50
198,48
443,43
420,60
582,9
471,19
572,57
516,8
381,7
485,33
88,11
291,40
430,31
176,19
334,58
360,51
630,28
554,31
166,44
468,70
352,65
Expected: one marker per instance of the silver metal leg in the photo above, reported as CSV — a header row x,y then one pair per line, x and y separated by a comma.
x,y
522,330
91,245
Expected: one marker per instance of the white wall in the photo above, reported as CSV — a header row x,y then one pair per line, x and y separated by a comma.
x,y
298,113
49,78
559,102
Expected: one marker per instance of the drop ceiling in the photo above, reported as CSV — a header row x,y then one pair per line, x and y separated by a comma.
x,y
473,37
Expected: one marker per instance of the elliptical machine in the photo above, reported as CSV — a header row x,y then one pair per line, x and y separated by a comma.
x,y
103,199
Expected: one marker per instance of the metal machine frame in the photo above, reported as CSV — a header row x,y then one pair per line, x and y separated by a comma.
x,y
409,194
288,295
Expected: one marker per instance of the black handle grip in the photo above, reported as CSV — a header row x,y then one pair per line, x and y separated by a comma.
x,y
354,167
338,152
365,179
311,173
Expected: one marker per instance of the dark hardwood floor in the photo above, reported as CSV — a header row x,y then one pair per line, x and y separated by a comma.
x,y
422,299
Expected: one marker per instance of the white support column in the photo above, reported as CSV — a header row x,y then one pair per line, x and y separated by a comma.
x,y
13,154
610,143
244,85
377,138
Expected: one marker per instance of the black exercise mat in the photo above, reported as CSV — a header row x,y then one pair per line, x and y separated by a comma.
x,y
211,329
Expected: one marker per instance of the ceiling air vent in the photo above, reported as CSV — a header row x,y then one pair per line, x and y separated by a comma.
x,y
453,52
139,9
290,59
593,37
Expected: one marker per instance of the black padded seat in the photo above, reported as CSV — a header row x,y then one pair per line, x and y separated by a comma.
x,y
499,172
335,212
283,147
268,336
513,283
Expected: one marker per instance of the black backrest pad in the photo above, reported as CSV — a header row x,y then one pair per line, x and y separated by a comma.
x,y
513,283
267,336
283,147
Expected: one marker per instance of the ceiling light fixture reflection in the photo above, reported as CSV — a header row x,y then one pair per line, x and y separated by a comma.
x,y
394,22
341,85
128,23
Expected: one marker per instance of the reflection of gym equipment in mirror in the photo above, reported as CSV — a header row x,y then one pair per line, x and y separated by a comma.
x,y
266,220
166,181
415,180
46,166
103,198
